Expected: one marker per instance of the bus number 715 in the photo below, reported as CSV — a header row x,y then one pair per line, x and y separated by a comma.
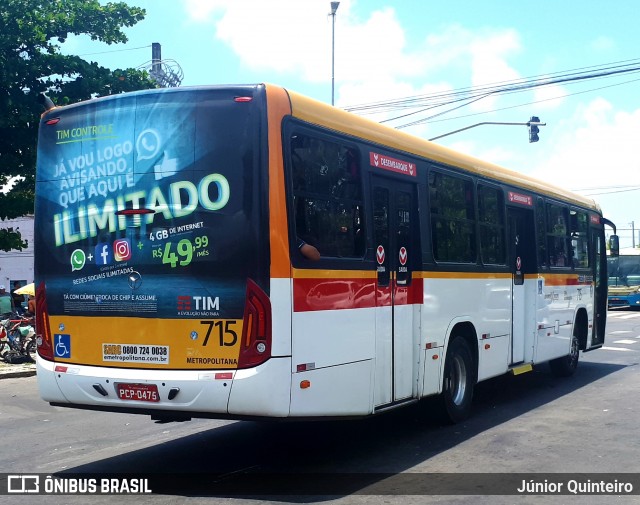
x,y
227,336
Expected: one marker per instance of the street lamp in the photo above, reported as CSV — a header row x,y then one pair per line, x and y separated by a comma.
x,y
334,8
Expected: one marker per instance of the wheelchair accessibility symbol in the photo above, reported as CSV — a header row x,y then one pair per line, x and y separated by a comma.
x,y
62,345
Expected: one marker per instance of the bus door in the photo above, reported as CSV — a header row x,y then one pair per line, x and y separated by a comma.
x,y
522,257
397,250
600,281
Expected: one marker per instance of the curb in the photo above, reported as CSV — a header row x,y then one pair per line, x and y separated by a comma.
x,y
14,371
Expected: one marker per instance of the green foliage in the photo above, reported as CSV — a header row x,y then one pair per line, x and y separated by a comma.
x,y
31,34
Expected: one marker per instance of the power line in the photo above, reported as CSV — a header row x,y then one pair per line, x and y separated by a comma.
x,y
637,188
473,94
523,88
474,91
116,50
515,106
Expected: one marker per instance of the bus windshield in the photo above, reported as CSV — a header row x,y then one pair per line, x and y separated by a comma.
x,y
624,271
624,281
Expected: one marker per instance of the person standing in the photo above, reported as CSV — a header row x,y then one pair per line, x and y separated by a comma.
x,y
17,299
6,302
31,306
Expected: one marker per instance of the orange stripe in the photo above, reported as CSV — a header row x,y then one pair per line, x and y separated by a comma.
x,y
278,106
567,279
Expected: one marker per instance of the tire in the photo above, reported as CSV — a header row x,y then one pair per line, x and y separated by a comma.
x,y
566,365
32,349
458,382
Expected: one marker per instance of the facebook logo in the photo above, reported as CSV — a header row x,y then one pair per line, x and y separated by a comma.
x,y
103,254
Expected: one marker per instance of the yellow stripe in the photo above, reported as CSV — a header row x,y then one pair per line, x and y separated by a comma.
x,y
462,275
522,369
551,279
333,274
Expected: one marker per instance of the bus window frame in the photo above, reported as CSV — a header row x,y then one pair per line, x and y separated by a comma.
x,y
587,238
564,206
290,127
503,225
445,171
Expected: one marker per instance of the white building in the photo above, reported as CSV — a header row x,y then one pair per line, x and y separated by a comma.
x,y
17,266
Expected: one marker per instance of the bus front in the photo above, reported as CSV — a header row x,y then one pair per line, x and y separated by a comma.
x,y
152,255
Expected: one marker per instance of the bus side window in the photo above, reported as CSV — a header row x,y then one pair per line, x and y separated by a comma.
x,y
541,231
327,195
579,238
453,223
557,237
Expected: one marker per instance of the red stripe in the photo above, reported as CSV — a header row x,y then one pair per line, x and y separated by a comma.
x,y
350,293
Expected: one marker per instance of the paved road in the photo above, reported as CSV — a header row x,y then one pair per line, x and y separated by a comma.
x,y
531,423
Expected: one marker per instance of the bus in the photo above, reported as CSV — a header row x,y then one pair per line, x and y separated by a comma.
x,y
171,279
624,280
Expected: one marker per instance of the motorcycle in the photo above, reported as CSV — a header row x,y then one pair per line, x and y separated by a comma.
x,y
17,339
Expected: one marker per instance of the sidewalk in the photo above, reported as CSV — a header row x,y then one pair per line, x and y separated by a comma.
x,y
8,371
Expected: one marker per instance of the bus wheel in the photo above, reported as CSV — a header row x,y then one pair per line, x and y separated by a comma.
x,y
458,382
566,365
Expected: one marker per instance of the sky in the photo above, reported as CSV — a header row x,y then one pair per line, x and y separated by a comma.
x,y
390,50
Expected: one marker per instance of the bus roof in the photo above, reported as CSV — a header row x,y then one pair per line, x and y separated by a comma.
x,y
313,111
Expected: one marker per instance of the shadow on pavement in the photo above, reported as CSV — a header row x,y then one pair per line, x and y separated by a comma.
x,y
286,460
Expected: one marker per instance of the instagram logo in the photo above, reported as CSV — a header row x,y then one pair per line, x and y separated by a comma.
x,y
122,249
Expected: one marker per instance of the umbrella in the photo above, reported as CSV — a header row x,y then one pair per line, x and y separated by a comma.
x,y
29,289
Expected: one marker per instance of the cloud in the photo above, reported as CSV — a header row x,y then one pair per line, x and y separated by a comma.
x,y
370,53
549,97
596,154
603,44
596,146
201,10
489,52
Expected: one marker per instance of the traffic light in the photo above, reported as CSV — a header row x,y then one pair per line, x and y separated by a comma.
x,y
533,129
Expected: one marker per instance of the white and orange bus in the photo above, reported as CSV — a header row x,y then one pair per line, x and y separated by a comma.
x,y
171,280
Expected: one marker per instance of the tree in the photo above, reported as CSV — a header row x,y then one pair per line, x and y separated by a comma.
x,y
31,34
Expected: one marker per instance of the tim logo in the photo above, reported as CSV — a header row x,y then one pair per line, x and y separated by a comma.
x,y
184,303
199,303
122,249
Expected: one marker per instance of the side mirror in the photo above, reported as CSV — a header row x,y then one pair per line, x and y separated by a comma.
x,y
614,246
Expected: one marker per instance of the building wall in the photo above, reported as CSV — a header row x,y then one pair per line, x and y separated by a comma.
x,y
18,265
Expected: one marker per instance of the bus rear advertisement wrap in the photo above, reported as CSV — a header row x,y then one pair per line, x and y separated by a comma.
x,y
146,213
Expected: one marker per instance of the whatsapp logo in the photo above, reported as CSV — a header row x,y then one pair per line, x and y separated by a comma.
x,y
78,260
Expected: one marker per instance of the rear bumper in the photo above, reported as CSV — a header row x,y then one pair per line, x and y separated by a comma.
x,y
261,391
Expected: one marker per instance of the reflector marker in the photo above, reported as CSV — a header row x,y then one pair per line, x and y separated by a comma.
x,y
303,367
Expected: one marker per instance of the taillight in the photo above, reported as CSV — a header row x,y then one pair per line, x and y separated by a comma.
x,y
255,346
43,332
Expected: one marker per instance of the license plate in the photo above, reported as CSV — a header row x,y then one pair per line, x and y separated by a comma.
x,y
138,392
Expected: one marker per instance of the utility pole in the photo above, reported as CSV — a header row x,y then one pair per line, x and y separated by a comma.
x,y
156,58
334,8
534,123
